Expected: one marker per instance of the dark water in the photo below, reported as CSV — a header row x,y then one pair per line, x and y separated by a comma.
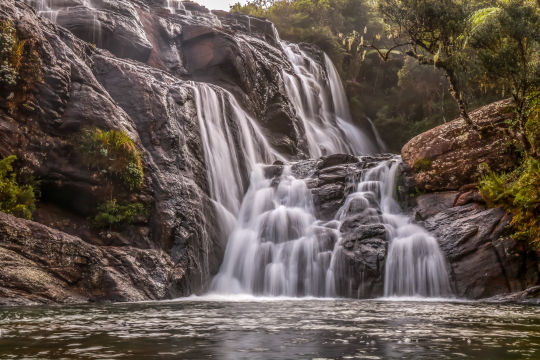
x,y
277,329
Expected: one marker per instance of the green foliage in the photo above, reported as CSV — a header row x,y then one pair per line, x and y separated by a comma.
x,y
422,165
505,41
519,193
15,199
115,154
20,68
113,214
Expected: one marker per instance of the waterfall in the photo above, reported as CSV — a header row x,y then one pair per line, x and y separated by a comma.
x,y
44,8
321,104
232,141
274,249
276,244
415,265
279,248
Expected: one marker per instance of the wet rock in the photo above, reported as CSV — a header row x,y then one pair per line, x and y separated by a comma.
x,y
483,260
336,159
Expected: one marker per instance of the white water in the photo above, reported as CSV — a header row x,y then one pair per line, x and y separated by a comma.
x,y
274,249
233,144
45,8
279,248
318,96
414,263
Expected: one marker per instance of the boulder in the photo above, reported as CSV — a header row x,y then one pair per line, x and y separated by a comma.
x,y
450,156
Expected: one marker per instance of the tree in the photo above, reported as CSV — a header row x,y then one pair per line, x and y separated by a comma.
x,y
506,44
431,31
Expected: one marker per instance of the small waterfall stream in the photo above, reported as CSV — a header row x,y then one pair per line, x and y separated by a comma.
x,y
319,99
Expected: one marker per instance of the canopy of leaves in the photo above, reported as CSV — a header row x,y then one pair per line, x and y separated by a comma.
x,y
15,199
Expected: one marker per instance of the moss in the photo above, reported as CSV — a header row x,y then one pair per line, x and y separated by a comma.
x,y
15,199
422,165
112,214
20,69
114,154
518,192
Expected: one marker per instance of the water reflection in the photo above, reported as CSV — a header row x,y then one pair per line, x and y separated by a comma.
x,y
278,329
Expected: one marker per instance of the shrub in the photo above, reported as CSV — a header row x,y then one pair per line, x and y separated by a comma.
x,y
112,214
518,192
20,67
15,199
115,154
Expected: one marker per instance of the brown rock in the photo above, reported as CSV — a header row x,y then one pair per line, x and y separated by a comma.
x,y
449,156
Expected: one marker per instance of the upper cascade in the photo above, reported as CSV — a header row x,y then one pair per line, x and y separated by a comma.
x,y
319,98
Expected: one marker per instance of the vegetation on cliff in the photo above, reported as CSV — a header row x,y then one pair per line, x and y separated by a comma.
x,y
113,214
15,199
114,154
20,69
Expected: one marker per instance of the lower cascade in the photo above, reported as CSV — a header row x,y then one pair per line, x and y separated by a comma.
x,y
279,247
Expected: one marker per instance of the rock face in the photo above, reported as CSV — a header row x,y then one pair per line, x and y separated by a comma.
x,y
128,65
449,156
483,260
40,265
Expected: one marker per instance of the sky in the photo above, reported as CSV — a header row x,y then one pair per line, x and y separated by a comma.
x,y
218,4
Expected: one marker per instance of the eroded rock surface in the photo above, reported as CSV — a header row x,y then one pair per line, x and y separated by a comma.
x,y
43,265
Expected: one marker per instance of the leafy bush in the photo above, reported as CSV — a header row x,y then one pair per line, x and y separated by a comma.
x,y
20,68
112,214
519,193
15,199
115,154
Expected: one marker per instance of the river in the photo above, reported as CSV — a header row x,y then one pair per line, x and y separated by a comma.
x,y
272,328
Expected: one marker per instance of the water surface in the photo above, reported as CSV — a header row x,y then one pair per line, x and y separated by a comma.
x,y
250,328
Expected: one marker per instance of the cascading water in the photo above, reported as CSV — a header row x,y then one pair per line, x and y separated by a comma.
x,y
414,264
319,99
45,8
233,144
278,247
274,249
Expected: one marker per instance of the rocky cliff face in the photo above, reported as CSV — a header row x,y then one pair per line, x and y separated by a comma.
x,y
129,65
443,165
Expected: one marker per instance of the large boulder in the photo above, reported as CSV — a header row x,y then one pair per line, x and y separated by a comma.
x,y
449,156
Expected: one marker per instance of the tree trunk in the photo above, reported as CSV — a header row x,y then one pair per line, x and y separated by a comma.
x,y
457,95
